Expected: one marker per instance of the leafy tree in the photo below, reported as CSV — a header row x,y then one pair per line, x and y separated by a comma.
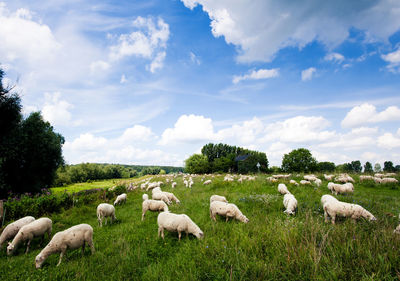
x,y
356,166
397,168
368,168
299,160
377,168
388,166
344,168
326,166
197,164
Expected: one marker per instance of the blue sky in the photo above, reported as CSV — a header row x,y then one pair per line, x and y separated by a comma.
x,y
151,82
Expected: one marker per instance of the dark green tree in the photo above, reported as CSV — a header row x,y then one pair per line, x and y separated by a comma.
x,y
368,168
299,160
325,166
356,166
388,166
197,164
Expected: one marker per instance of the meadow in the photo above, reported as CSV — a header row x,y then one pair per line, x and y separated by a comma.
x,y
272,246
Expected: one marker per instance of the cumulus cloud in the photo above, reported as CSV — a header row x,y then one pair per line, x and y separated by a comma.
x,y
308,73
260,28
367,114
57,111
149,41
393,59
245,133
99,66
137,133
389,141
335,57
257,75
86,143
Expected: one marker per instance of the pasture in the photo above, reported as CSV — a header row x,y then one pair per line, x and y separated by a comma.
x,y
272,246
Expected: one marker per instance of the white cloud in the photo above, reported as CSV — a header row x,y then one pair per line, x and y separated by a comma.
x,y
149,41
260,28
367,114
335,57
86,143
388,141
99,66
137,133
189,129
257,75
243,134
194,59
57,111
393,59
308,73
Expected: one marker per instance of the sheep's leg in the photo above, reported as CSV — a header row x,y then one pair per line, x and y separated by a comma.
x,y
159,231
227,218
83,248
90,243
162,233
326,216
143,216
61,256
333,219
27,246
179,235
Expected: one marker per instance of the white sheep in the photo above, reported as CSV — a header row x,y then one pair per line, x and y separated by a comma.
x,y
71,238
218,198
207,182
310,177
293,182
379,175
305,182
36,228
364,178
272,179
171,197
12,229
282,189
161,196
105,210
152,205
173,185
177,223
290,203
334,208
120,199
389,180
343,178
336,188
329,177
318,182
227,210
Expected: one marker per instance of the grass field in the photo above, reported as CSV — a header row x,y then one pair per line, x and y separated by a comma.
x,y
272,246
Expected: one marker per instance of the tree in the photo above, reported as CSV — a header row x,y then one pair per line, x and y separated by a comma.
x,y
388,166
377,168
197,164
368,168
299,160
356,166
326,166
397,168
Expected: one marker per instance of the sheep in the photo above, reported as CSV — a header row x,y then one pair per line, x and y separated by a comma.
x,y
390,174
310,177
271,179
389,180
377,180
34,229
282,189
343,178
290,203
105,210
329,177
281,176
152,205
379,175
120,199
218,198
363,178
71,238
171,197
12,229
227,210
207,182
397,230
293,182
318,182
161,196
186,183
304,182
154,185
177,223
334,208
173,185
336,188
325,198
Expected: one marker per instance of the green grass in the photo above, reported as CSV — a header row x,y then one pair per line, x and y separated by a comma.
x,y
272,246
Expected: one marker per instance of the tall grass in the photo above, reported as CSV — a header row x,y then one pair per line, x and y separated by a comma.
x,y
272,246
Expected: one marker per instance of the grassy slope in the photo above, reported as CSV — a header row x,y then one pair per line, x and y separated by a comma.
x,y
271,246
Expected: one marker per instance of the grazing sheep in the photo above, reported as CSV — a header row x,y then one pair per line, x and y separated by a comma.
x,y
71,238
379,175
207,182
12,229
281,176
318,182
154,185
325,198
105,210
310,177
272,179
304,182
293,182
218,198
390,174
282,189
152,205
334,208
173,185
34,229
227,210
171,197
177,223
161,196
120,199
397,230
329,177
389,180
343,178
290,203
364,178
336,188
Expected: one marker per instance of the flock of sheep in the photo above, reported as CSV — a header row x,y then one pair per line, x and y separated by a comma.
x,y
25,229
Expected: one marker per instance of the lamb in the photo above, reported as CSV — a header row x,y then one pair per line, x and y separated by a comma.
x,y
207,182
152,205
341,188
290,203
218,198
120,199
34,229
12,229
71,238
334,208
304,182
293,182
282,189
227,210
177,223
105,210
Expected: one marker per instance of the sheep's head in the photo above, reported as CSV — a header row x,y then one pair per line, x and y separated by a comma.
x,y
369,216
199,234
243,218
10,248
39,261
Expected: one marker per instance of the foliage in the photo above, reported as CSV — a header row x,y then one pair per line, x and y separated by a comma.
x,y
368,168
299,160
197,164
356,166
150,171
388,166
275,169
344,168
326,167
377,168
